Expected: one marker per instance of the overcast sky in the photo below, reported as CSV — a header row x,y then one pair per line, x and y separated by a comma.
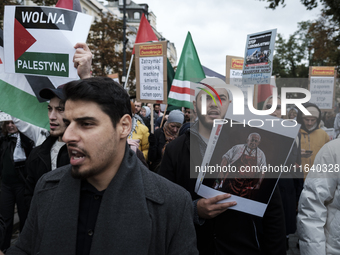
x,y
220,27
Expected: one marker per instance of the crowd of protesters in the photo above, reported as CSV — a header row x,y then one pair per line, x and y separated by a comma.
x,y
113,198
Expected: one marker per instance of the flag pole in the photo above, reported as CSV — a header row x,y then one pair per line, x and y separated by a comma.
x,y
166,107
128,73
152,120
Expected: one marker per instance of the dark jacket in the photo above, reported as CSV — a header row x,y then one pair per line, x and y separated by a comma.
x,y
156,144
232,232
2,230
39,163
147,122
140,213
9,142
291,185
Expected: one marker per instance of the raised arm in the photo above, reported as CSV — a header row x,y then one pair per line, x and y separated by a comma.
x,y
82,60
35,133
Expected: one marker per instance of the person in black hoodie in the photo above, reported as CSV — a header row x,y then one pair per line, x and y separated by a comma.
x,y
14,150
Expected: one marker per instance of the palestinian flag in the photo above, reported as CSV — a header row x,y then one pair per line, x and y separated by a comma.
x,y
189,69
18,99
19,95
40,40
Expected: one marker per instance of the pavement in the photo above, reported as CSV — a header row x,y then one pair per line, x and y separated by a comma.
x,y
293,241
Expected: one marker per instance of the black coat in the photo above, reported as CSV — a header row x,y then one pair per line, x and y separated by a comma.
x,y
2,229
291,185
10,142
156,144
39,163
141,213
232,232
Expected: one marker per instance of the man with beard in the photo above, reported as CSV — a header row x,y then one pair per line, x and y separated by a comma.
x,y
189,115
157,111
218,230
138,107
106,201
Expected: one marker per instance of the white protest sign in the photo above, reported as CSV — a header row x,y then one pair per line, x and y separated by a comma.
x,y
151,78
40,40
322,89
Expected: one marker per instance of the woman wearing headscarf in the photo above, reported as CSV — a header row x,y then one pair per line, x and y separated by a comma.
x,y
163,136
145,114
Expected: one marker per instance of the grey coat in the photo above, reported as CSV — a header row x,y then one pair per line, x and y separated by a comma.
x,y
140,213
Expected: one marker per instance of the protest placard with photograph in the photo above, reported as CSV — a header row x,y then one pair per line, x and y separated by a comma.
x,y
40,40
258,59
245,156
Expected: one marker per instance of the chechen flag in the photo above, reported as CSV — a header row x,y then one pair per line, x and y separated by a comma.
x,y
145,33
189,69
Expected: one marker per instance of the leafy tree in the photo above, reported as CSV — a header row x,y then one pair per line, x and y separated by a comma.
x,y
105,41
2,9
291,55
324,42
324,33
331,8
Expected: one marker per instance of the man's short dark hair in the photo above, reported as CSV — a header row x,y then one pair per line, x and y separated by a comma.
x,y
109,95
156,105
